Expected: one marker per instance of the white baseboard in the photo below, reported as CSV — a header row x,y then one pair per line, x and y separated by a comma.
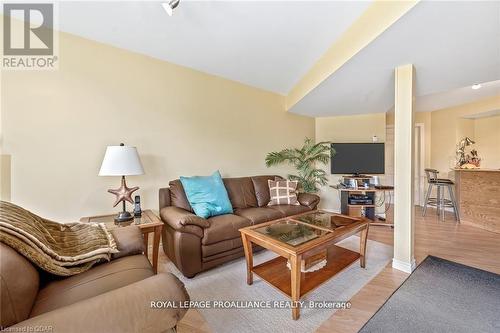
x,y
404,266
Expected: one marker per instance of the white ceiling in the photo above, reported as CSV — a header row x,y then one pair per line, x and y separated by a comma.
x,y
272,44
265,44
457,97
451,44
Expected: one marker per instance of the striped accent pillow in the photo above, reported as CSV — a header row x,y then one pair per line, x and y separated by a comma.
x,y
283,192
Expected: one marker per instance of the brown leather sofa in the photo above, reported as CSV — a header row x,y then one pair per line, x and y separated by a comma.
x,y
111,297
196,244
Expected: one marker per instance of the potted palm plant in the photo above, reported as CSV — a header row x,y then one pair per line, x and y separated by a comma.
x,y
305,160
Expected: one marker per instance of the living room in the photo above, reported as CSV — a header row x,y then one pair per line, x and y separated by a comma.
x,y
207,92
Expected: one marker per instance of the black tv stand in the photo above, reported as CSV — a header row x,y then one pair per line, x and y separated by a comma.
x,y
358,176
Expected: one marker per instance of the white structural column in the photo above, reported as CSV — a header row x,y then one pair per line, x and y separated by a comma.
x,y
404,209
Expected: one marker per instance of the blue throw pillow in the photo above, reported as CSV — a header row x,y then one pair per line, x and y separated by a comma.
x,y
207,195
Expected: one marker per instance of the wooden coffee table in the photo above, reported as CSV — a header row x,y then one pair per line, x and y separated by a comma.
x,y
298,239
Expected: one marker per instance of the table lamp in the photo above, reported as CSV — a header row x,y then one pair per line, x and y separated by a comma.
x,y
122,161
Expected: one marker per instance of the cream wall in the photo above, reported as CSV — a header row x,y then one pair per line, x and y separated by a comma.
x,y
57,124
4,159
4,177
487,137
442,130
449,127
357,128
445,127
425,119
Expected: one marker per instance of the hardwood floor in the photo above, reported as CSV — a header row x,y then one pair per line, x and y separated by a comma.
x,y
461,243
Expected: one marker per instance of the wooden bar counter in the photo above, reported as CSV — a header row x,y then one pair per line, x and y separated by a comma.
x,y
478,197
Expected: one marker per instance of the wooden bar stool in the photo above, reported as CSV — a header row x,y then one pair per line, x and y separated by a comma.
x,y
440,202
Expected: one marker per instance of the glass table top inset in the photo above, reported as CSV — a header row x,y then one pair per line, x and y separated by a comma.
x,y
291,233
146,220
326,220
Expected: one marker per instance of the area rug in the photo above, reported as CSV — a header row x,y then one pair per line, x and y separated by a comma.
x,y
441,296
228,282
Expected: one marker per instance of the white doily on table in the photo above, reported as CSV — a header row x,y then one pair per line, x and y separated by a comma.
x,y
313,268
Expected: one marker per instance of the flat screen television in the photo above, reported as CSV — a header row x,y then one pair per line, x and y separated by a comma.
x,y
358,158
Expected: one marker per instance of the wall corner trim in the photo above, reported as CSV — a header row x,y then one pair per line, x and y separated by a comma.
x,y
407,267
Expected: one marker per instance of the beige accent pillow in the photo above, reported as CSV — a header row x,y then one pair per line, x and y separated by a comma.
x,y
283,192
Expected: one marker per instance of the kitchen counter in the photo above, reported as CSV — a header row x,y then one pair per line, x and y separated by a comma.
x,y
477,170
478,197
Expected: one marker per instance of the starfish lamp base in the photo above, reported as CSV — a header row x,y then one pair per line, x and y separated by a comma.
x,y
123,194
123,217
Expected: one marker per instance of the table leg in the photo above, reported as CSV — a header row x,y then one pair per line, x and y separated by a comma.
x,y
296,274
247,247
156,246
438,200
146,244
362,247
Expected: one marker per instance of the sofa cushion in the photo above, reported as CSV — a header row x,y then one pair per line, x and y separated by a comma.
x,y
283,192
223,227
241,192
261,188
19,281
207,195
178,197
260,214
289,210
100,279
129,241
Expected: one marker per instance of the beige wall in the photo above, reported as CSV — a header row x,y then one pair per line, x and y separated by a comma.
x,y
445,127
4,177
357,128
57,124
449,127
425,119
487,137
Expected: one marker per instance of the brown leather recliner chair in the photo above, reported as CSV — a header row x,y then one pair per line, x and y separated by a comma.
x,y
111,297
195,244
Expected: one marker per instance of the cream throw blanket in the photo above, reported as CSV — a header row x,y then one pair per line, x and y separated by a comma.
x,y
60,249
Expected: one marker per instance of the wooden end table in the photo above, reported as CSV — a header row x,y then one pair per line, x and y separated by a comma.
x,y
148,223
296,240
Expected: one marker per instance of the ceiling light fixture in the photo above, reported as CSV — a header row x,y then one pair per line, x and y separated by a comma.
x,y
476,86
170,6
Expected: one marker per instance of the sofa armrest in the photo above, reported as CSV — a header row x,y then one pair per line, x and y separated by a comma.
x,y
129,241
308,199
182,220
126,309
164,197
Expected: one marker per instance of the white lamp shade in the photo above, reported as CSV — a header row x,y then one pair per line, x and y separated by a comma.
x,y
121,161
